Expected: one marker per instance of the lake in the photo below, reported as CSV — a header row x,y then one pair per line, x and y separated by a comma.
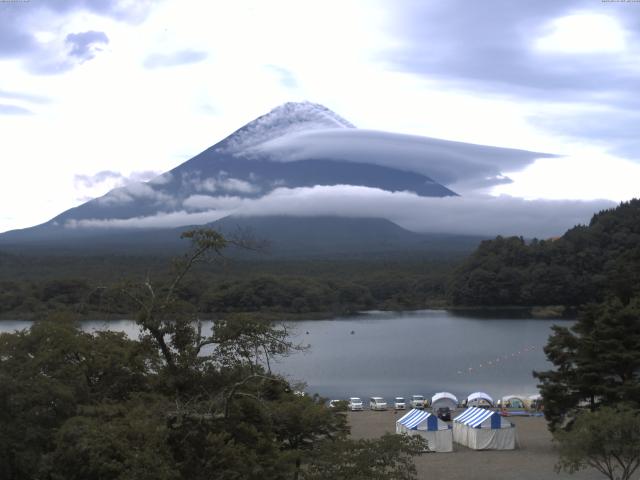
x,y
392,354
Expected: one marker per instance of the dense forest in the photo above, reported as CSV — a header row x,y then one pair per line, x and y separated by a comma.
x,y
31,287
584,265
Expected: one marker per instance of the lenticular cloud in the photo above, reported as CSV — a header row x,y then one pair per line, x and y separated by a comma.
x,y
447,162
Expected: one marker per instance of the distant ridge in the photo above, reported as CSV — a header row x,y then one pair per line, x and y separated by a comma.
x,y
286,236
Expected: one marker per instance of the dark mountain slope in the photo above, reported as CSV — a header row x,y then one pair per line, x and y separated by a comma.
x,y
285,236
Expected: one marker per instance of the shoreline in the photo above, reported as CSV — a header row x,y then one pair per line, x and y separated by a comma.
x,y
548,312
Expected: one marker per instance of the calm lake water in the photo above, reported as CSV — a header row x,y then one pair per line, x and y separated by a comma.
x,y
403,353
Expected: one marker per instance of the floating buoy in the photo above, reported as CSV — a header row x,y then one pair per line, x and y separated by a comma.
x,y
352,332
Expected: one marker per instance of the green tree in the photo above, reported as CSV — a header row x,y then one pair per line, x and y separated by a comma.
x,y
301,422
607,440
47,373
597,361
109,441
176,330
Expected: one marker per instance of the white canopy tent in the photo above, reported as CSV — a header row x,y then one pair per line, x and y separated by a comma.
x,y
478,399
436,432
482,429
444,399
514,401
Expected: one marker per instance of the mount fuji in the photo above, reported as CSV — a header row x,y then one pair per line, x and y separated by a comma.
x,y
288,158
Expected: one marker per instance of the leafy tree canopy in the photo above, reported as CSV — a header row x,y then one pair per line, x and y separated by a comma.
x,y
177,403
607,440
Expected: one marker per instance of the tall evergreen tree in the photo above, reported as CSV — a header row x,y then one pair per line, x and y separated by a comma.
x,y
597,361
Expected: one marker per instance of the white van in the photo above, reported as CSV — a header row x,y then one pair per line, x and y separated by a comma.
x,y
399,404
377,403
355,404
417,401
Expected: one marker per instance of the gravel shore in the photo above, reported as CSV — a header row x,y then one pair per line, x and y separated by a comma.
x,y
533,460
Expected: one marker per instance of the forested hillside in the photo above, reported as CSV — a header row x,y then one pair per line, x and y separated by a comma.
x,y
582,266
92,287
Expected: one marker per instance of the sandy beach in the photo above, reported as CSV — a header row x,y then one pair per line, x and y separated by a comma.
x,y
533,460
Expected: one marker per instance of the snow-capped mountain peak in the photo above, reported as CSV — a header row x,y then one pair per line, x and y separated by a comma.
x,y
288,118
297,155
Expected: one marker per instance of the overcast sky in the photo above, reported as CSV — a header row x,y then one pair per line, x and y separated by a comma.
x,y
98,93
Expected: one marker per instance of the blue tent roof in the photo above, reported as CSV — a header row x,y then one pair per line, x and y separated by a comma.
x,y
474,417
415,417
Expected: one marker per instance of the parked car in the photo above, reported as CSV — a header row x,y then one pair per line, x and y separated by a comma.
x,y
399,404
444,413
417,401
377,403
335,403
355,404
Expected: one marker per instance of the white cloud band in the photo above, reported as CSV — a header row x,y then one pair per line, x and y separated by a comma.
x,y
479,215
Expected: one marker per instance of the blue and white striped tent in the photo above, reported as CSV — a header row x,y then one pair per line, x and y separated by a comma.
x,y
482,429
420,420
436,432
476,417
